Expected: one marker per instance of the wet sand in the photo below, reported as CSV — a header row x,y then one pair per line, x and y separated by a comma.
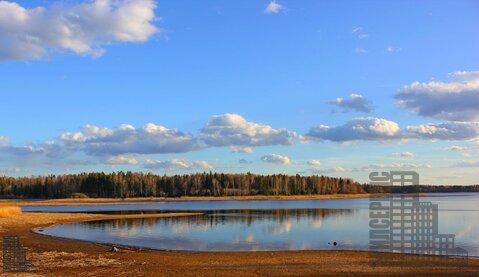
x,y
63,257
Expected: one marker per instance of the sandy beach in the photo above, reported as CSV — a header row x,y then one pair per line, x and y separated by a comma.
x,y
117,201
64,257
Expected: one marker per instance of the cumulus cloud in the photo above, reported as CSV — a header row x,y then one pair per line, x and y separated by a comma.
x,y
356,102
48,149
406,154
456,100
126,139
31,33
273,7
277,159
363,128
446,131
466,75
222,130
122,159
314,163
235,130
177,164
24,150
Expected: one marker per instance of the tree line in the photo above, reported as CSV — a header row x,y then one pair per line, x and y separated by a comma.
x,y
138,184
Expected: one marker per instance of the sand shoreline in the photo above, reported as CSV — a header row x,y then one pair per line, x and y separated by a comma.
x,y
149,200
65,257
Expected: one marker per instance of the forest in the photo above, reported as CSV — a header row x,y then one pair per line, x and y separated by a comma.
x,y
138,184
131,184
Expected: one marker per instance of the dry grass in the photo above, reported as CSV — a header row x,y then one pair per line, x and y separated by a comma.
x,y
9,211
56,259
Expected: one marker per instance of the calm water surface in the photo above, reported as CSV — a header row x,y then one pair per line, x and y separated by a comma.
x,y
260,225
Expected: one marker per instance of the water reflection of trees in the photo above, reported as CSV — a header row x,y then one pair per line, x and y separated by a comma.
x,y
218,217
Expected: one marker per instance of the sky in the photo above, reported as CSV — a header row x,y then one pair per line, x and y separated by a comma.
x,y
339,88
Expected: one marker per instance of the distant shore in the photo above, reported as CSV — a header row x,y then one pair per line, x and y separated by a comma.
x,y
137,200
61,257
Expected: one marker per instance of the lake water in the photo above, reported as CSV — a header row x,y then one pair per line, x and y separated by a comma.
x,y
260,225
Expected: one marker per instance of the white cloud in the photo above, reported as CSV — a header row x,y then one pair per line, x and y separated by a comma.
x,y
456,100
77,137
360,50
126,139
99,132
456,148
446,131
48,149
465,151
359,32
314,163
273,7
4,141
178,164
356,102
406,154
32,33
235,149
468,163
122,159
24,150
223,130
357,29
363,128
331,170
277,159
235,130
392,49
407,166
371,167
466,75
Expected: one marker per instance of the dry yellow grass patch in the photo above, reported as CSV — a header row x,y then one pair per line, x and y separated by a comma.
x,y
9,211
56,259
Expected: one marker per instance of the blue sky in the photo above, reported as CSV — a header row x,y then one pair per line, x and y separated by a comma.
x,y
230,76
